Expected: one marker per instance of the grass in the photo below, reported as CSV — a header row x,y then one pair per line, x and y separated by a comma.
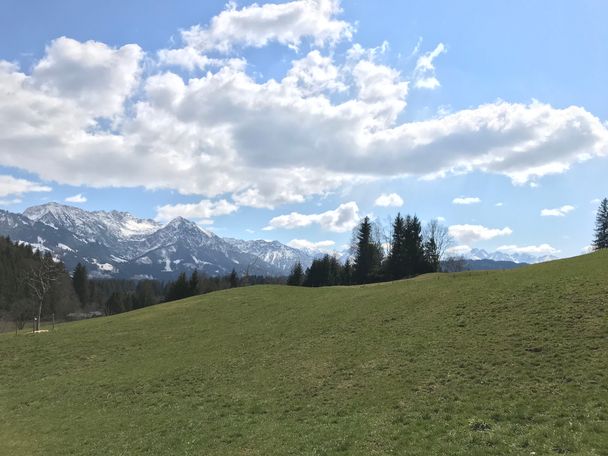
x,y
480,363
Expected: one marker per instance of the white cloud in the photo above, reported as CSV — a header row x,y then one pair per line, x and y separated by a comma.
x,y
9,202
321,246
499,204
332,120
542,249
596,201
466,200
95,76
440,219
344,218
201,211
469,234
587,249
79,198
12,186
284,23
424,73
389,199
558,212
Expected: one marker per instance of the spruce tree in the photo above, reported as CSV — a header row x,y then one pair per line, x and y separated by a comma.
x,y
80,281
398,253
368,254
413,246
296,275
601,226
194,283
234,279
431,255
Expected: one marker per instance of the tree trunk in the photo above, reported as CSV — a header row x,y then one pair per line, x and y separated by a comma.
x,y
39,314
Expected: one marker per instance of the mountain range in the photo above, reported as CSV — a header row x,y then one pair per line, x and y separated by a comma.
x,y
120,245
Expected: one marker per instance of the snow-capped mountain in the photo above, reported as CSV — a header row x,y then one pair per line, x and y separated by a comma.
x,y
481,254
275,253
118,244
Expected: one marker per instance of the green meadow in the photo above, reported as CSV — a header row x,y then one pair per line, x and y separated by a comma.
x,y
475,363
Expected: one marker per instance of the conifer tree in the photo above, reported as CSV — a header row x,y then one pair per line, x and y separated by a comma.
x,y
80,281
397,261
368,254
601,226
194,283
296,276
234,279
413,246
179,289
431,255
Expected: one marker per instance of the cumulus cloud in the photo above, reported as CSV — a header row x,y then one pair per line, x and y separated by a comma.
x,y
424,73
202,211
465,200
389,199
257,25
557,212
331,120
79,198
11,186
344,218
321,246
469,234
542,249
95,76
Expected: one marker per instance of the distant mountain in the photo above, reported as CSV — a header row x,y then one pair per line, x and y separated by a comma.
x,y
481,254
275,253
118,244
489,265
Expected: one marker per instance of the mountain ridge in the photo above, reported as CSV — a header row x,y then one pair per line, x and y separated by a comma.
x,y
118,244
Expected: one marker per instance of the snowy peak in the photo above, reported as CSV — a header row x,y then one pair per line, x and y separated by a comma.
x,y
98,225
481,254
273,252
118,244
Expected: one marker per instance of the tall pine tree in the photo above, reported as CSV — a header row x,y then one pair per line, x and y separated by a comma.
x,y
368,254
297,274
601,226
397,260
80,281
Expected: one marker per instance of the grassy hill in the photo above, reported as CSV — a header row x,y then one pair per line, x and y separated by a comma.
x,y
476,363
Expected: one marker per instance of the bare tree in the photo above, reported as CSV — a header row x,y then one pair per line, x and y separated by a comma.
x,y
251,265
40,280
441,235
454,264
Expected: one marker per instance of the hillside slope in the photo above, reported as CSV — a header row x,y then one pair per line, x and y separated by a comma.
x,y
476,363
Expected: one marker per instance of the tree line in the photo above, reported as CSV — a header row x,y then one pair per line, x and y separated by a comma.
x,y
405,251
37,286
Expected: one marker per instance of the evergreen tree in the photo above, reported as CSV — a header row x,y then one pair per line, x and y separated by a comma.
x,y
414,263
194,283
601,226
115,304
431,255
80,281
179,289
347,273
296,276
233,279
323,272
397,261
368,254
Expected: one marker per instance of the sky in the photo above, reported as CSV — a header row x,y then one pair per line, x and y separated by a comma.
x,y
293,120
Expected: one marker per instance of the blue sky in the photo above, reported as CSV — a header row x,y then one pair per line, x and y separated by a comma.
x,y
290,121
